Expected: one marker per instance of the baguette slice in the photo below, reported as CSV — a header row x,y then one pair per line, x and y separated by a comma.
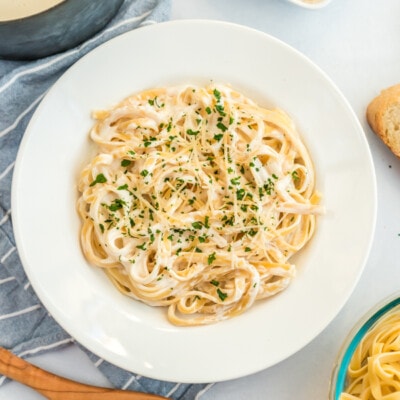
x,y
383,116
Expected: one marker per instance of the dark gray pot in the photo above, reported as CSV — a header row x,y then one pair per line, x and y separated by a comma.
x,y
59,28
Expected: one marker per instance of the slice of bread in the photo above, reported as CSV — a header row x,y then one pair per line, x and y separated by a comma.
x,y
383,116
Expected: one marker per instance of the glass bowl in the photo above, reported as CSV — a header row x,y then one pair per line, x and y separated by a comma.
x,y
363,326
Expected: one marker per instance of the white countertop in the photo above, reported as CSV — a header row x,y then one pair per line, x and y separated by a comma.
x,y
357,43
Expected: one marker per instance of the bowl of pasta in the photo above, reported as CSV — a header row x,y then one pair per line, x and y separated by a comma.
x,y
368,364
201,206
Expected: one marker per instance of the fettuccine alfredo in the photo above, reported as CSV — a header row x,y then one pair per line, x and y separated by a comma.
x,y
196,201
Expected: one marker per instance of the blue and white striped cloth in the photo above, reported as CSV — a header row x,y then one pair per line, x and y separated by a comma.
x,y
26,328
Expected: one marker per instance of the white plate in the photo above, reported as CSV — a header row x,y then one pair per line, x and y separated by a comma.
x,y
135,336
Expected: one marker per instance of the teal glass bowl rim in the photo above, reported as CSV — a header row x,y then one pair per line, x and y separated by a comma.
x,y
356,335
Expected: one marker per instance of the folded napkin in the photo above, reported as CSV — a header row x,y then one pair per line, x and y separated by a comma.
x,y
26,328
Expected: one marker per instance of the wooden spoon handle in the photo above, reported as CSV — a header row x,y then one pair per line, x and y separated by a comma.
x,y
55,387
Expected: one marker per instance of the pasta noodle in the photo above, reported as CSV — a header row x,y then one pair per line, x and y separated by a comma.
x,y
196,200
374,369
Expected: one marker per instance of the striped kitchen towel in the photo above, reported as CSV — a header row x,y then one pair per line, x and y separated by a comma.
x,y
26,328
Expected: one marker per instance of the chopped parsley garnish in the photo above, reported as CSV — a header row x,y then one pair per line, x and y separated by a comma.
x,y
221,126
117,204
240,194
228,221
214,282
144,172
211,258
197,225
202,239
252,232
100,178
153,102
235,181
220,109
221,294
269,187
217,94
125,162
192,132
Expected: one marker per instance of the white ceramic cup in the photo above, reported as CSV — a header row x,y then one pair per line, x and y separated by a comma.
x,y
311,4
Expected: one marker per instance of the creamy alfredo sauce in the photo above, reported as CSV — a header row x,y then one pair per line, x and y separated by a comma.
x,y
15,9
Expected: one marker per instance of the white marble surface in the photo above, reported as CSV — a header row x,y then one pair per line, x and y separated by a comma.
x,y
357,43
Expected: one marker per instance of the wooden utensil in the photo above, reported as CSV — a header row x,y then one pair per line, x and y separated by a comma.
x,y
54,387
